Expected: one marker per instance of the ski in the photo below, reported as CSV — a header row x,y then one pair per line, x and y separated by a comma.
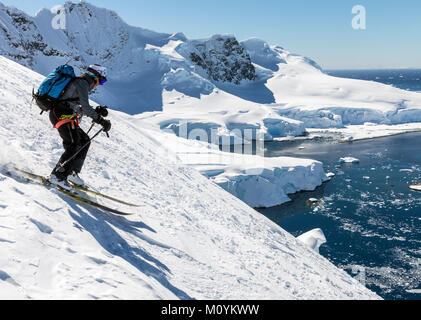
x,y
96,193
81,189
78,198
73,195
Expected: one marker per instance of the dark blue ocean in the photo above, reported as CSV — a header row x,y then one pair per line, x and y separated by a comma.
x,y
371,219
406,79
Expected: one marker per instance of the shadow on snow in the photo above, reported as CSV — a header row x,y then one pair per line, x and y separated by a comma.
x,y
101,226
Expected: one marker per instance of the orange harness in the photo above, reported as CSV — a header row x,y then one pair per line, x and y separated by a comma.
x,y
64,119
63,122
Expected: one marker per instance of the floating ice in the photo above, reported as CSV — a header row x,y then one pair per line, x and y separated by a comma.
x,y
349,160
416,187
314,239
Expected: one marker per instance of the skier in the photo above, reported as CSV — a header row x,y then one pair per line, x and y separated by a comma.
x,y
65,118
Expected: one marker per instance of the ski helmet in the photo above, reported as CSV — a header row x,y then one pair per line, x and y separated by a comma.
x,y
99,72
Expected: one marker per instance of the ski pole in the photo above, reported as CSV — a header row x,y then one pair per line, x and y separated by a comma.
x,y
93,123
61,166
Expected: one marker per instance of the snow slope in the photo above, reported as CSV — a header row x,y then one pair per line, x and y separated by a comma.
x,y
192,240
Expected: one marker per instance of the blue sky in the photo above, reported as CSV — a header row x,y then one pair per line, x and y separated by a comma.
x,y
319,29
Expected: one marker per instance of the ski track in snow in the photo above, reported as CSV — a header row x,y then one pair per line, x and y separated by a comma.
x,y
193,240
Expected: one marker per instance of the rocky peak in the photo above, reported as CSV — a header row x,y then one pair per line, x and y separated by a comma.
x,y
223,59
22,40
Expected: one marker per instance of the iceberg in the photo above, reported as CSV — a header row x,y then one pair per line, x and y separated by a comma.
x,y
313,239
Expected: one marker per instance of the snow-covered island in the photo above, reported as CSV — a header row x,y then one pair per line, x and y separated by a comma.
x,y
193,239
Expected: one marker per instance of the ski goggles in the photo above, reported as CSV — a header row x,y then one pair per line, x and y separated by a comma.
x,y
102,80
97,75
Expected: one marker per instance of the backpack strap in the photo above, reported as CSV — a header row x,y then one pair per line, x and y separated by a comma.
x,y
59,100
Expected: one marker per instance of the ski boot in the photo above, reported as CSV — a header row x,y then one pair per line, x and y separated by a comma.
x,y
76,180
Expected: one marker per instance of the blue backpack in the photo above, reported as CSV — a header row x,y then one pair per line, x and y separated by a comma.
x,y
52,88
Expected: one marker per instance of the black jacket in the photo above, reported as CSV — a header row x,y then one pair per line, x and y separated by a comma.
x,y
78,90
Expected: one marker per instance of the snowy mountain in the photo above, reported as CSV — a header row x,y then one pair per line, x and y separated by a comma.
x,y
91,35
218,83
144,66
191,240
133,55
223,59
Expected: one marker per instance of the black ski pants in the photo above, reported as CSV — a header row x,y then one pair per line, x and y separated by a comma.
x,y
74,138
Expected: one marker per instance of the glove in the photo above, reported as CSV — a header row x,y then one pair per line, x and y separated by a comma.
x,y
102,111
106,124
